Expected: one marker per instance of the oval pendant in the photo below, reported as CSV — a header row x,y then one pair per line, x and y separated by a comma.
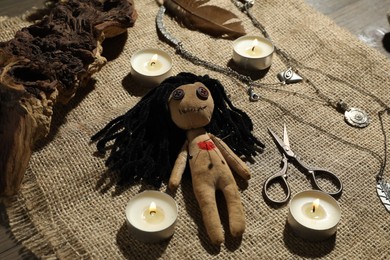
x,y
357,117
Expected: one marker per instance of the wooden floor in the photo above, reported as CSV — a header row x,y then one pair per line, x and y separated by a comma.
x,y
364,18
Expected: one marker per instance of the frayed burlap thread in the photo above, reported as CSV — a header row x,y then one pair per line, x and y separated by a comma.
x,y
70,208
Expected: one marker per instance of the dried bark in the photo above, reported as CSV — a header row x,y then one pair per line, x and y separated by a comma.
x,y
44,64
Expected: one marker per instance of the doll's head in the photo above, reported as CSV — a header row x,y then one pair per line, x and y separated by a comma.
x,y
146,140
191,106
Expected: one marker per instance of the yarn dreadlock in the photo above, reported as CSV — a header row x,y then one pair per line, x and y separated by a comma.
x,y
146,142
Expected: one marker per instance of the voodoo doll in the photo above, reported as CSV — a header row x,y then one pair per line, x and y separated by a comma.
x,y
187,120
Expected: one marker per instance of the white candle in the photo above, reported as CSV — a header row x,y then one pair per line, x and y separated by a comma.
x,y
314,215
253,52
150,66
151,216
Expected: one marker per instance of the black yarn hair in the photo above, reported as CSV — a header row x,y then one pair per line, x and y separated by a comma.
x,y
146,142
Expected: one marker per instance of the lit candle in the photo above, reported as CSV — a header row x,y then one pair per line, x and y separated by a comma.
x,y
314,210
314,215
253,52
150,66
151,216
154,64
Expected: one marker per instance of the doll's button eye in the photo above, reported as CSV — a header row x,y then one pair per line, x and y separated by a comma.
x,y
202,93
178,94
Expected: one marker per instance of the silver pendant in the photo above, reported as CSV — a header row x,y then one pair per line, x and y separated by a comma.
x,y
357,117
383,190
289,76
253,95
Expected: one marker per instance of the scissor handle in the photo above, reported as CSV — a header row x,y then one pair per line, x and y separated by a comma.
x,y
281,178
315,172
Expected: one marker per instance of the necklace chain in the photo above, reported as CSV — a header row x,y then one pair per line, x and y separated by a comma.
x,y
196,60
244,7
340,106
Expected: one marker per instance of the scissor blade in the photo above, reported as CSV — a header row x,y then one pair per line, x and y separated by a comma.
x,y
277,140
286,140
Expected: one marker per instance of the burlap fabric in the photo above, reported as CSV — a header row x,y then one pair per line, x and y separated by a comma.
x,y
67,208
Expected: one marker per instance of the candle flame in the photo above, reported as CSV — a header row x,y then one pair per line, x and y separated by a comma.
x,y
254,44
316,204
152,208
153,60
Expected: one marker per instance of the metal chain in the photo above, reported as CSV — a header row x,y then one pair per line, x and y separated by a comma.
x,y
381,173
244,6
177,44
338,105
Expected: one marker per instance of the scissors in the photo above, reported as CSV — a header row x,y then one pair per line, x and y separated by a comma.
x,y
311,172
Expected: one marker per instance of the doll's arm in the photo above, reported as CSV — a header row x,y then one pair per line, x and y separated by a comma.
x,y
231,158
178,168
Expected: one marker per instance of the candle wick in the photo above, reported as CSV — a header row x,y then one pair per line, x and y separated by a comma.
x,y
253,48
314,209
152,63
152,212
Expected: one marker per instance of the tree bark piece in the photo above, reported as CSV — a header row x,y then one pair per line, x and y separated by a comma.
x,y
44,64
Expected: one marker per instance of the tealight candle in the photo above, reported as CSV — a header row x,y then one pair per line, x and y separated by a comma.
x,y
314,215
150,66
151,216
253,52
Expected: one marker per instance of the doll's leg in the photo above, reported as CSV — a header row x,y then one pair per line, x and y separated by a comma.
x,y
205,196
235,209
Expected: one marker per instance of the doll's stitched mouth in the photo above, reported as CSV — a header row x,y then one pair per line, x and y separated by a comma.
x,y
191,109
